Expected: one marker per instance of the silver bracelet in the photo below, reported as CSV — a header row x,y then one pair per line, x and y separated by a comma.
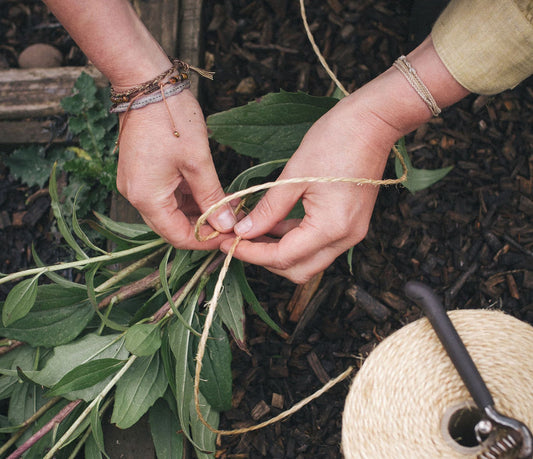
x,y
407,70
168,90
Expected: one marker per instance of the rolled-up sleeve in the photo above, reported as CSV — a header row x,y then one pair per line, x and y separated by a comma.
x,y
487,45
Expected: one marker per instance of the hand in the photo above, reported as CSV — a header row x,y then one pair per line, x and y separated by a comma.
x,y
171,180
349,141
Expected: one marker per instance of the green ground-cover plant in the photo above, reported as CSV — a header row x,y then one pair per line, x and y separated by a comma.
x,y
123,340
89,162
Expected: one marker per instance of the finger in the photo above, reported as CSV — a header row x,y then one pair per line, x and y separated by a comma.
x,y
269,211
176,228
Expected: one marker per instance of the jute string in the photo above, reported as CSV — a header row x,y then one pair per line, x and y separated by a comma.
x,y
398,399
212,305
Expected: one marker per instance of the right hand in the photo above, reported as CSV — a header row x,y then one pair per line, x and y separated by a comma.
x,y
172,180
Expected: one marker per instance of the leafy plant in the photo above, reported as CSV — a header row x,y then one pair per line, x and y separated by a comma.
x,y
90,165
125,339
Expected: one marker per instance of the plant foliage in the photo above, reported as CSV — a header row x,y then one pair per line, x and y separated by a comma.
x,y
125,339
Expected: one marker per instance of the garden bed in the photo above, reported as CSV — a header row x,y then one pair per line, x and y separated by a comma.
x,y
470,236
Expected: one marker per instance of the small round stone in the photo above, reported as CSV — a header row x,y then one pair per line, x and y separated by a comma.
x,y
40,55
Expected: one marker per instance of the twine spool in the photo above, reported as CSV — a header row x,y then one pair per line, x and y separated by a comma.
x,y
407,400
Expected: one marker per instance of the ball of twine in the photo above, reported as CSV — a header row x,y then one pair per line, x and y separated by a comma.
x,y
408,385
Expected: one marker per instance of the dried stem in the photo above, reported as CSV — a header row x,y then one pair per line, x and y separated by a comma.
x,y
123,273
133,289
9,345
82,416
27,423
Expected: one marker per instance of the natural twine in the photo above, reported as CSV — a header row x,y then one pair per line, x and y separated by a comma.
x,y
399,397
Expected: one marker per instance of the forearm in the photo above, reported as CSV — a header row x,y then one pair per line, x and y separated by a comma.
x,y
114,39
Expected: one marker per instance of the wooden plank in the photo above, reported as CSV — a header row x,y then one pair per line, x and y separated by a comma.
x,y
37,93
161,17
28,131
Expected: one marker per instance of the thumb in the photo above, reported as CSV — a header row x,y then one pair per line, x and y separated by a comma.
x,y
207,191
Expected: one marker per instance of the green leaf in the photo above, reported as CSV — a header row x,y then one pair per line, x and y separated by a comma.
x,y
203,437
130,230
69,356
179,337
271,128
61,224
165,429
54,277
18,161
138,389
91,449
143,339
96,429
215,377
86,375
54,319
260,171
231,308
417,179
237,268
78,231
20,300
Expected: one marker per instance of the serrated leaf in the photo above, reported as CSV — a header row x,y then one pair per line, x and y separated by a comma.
x,y
57,317
20,301
271,128
18,161
142,384
165,429
259,171
215,377
143,339
86,375
417,179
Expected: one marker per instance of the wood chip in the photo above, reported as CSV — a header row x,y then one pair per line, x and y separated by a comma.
x,y
318,369
260,410
277,401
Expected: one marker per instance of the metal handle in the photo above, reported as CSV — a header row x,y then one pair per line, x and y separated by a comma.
x,y
432,306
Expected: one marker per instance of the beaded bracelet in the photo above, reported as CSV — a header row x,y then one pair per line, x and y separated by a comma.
x,y
169,83
157,96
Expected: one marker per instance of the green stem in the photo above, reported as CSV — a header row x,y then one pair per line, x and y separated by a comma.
x,y
75,264
89,408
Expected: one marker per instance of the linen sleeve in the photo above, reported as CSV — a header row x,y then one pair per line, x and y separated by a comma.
x,y
487,45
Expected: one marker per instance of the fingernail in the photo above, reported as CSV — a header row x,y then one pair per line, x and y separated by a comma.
x,y
226,220
243,226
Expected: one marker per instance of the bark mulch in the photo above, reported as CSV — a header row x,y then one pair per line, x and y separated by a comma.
x,y
469,237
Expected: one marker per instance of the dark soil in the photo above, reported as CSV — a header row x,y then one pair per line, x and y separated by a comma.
x,y
470,236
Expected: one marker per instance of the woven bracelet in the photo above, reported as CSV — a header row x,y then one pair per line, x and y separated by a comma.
x,y
168,90
407,70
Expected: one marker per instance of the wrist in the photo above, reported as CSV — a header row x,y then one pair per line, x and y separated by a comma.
x,y
392,100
